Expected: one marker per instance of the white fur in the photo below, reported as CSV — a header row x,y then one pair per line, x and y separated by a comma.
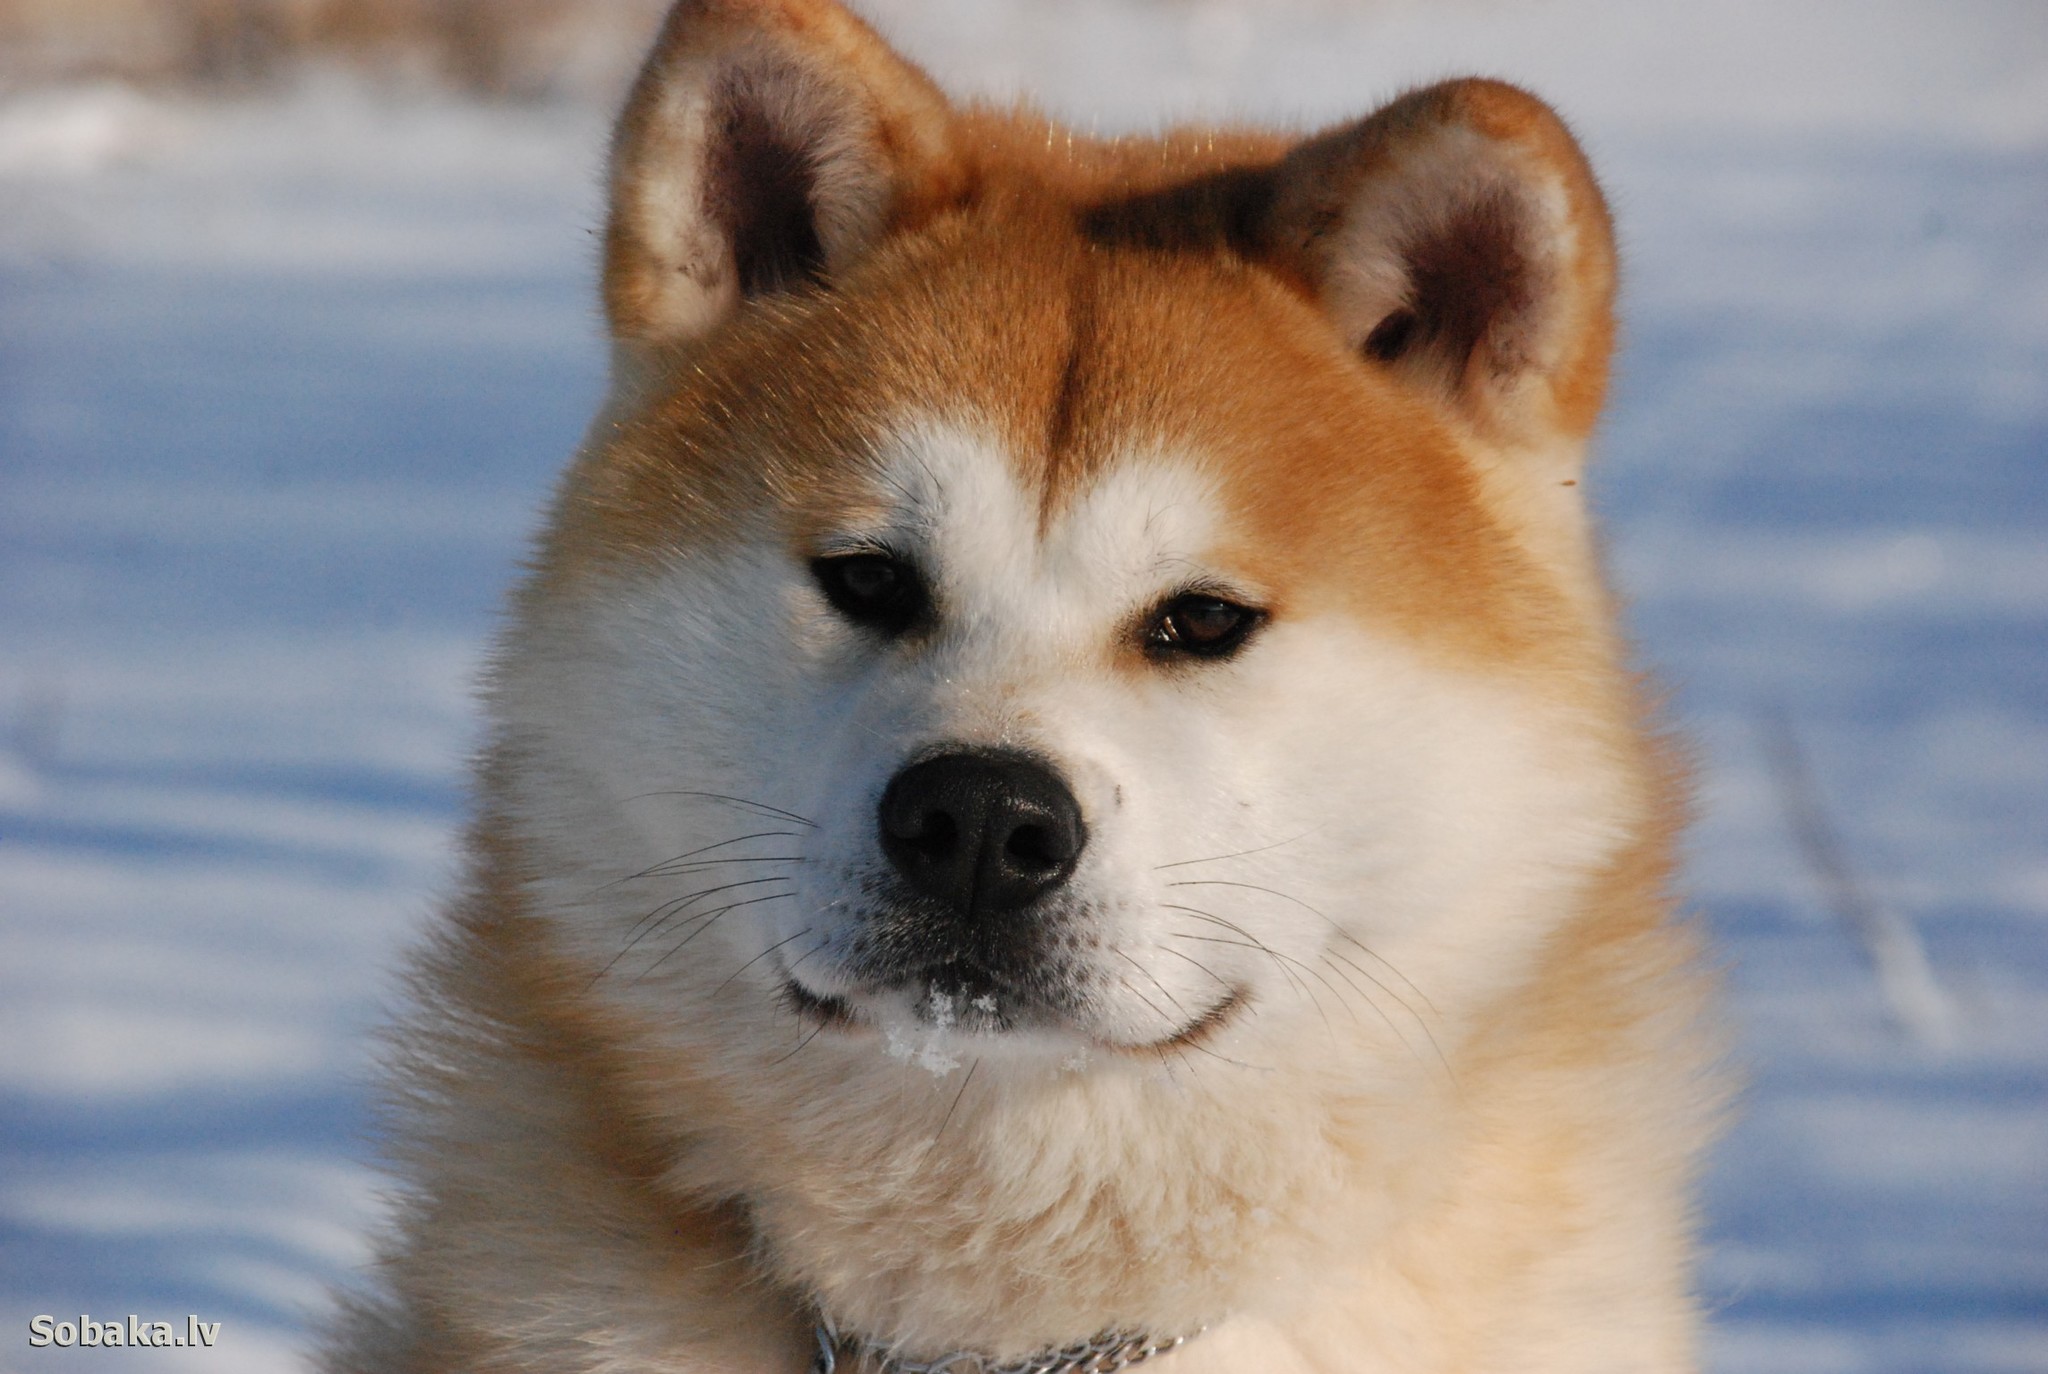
x,y
1359,812
1356,809
1369,803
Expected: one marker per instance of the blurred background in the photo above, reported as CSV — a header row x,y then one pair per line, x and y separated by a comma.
x,y
297,324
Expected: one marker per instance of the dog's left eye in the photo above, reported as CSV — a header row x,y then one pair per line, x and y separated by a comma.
x,y
1206,626
872,589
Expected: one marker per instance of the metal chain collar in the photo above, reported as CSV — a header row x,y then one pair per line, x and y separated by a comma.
x,y
1105,1354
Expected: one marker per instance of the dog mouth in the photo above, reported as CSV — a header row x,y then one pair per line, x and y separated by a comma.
x,y
946,1001
955,996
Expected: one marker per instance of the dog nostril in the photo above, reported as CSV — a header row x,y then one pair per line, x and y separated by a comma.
x,y
1032,849
935,835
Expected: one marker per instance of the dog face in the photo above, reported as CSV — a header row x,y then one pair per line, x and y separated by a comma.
x,y
1108,623
1037,646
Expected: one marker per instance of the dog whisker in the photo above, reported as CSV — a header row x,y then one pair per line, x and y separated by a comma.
x,y
760,808
1381,1012
1248,1007
1155,982
1151,1005
1251,941
1181,1048
1282,961
757,959
818,948
1349,938
1249,887
646,927
668,910
699,865
1220,980
705,925
1237,854
1167,1068
1414,1015
800,1046
1200,1048
1369,952
948,1120
693,853
1365,949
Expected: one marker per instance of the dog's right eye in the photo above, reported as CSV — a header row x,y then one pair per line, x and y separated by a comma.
x,y
872,589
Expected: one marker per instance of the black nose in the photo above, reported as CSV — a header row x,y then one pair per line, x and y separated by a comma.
x,y
985,832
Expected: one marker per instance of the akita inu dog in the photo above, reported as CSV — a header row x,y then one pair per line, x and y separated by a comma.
x,y
1063,788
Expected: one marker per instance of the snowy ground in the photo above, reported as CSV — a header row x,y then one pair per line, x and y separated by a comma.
x,y
282,384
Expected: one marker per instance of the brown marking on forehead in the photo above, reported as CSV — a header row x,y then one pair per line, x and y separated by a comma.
x,y
1073,335
1064,413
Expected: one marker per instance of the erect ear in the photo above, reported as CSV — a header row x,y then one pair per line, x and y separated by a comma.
x,y
1458,237
766,145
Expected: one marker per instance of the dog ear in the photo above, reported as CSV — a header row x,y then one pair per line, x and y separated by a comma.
x,y
1458,237
766,145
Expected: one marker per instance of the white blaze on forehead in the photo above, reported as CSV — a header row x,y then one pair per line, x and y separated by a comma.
x,y
1142,528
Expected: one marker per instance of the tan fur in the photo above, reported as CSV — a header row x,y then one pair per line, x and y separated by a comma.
x,y
1497,1183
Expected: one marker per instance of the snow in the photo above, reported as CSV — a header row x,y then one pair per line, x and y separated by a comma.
x,y
283,382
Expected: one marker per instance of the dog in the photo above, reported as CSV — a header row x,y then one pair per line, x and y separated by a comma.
x,y
1063,789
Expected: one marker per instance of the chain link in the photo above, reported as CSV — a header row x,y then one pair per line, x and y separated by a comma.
x,y
1105,1354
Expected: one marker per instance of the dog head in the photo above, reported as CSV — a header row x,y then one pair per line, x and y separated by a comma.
x,y
1065,605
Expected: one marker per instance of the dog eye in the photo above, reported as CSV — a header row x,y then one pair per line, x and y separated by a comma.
x,y
872,589
1207,626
